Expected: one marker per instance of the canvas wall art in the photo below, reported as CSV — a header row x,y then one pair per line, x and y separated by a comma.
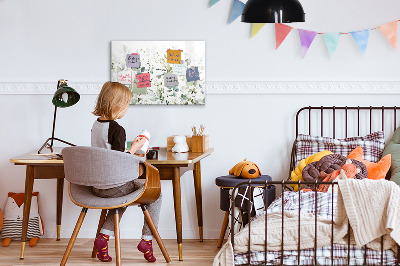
x,y
160,72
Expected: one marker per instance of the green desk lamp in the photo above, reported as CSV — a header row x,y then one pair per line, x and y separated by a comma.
x,y
65,96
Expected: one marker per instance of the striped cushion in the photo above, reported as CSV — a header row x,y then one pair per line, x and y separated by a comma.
x,y
13,228
372,145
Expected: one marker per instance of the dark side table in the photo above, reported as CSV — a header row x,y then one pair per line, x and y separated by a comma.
x,y
228,182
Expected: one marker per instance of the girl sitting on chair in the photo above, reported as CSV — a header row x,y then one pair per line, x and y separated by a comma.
x,y
112,104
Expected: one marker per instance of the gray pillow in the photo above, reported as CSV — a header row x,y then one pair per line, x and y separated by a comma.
x,y
393,148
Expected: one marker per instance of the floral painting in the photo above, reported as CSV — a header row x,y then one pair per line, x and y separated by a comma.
x,y
160,72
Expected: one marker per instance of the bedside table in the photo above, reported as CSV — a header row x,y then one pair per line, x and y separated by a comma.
x,y
228,182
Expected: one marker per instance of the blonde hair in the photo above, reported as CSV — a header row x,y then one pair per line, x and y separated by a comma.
x,y
112,99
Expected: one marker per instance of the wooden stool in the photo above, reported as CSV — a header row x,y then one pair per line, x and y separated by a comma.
x,y
226,183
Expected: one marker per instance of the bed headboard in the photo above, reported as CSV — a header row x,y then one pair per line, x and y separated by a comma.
x,y
348,115
344,121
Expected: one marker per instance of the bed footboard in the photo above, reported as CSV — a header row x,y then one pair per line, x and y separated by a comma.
x,y
383,258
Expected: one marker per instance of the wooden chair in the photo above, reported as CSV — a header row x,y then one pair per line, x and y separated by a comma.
x,y
85,167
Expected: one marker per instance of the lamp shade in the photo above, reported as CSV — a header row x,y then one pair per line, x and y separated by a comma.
x,y
65,96
273,11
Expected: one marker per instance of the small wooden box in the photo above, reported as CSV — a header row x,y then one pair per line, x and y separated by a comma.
x,y
171,143
200,143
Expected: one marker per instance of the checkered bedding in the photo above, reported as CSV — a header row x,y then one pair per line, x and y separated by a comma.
x,y
323,207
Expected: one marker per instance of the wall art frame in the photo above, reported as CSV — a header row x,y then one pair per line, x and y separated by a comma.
x,y
160,72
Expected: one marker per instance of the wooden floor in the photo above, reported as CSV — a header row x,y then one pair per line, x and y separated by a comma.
x,y
50,252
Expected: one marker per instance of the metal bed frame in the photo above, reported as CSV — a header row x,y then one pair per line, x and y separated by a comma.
x,y
283,184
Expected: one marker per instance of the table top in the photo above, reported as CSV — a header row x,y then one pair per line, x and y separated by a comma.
x,y
164,157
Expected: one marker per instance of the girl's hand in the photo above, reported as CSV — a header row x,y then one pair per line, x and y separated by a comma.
x,y
137,144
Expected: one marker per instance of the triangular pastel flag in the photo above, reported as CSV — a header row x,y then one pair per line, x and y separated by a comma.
x,y
306,39
255,28
390,32
361,37
281,31
237,9
213,2
332,41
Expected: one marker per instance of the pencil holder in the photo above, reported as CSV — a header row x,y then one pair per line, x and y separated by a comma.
x,y
200,143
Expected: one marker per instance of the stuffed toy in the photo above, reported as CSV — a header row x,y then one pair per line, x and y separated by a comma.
x,y
245,169
296,174
375,170
180,144
13,215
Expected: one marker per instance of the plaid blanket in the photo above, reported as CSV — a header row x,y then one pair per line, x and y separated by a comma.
x,y
323,205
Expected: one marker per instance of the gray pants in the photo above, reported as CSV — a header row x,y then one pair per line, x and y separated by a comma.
x,y
154,208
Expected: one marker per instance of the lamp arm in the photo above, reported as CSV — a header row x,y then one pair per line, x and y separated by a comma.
x,y
54,118
54,126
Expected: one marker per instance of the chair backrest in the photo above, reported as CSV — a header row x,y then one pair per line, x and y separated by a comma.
x,y
92,166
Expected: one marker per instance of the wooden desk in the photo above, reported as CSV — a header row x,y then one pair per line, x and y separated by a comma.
x,y
171,167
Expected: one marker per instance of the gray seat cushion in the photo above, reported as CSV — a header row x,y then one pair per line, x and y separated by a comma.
x,y
83,196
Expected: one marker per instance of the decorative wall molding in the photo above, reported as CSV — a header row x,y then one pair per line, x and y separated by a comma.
x,y
304,87
233,87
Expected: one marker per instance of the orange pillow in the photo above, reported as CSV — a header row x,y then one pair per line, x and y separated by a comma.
x,y
375,170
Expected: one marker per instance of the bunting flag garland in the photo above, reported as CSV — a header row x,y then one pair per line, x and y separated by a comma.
x,y
389,30
213,2
306,39
281,31
361,37
256,27
237,9
332,41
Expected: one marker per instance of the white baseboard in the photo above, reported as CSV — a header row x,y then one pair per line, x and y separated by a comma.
x,y
232,87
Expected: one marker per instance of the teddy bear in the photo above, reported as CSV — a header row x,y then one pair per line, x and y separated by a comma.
x,y
180,144
13,215
245,169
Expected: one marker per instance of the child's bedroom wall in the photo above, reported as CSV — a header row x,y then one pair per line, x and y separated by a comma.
x,y
48,40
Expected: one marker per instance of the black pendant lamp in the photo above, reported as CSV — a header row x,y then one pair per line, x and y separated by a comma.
x,y
273,11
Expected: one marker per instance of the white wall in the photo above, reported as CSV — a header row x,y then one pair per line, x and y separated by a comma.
x,y
42,41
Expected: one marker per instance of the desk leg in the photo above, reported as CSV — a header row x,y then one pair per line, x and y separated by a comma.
x,y
199,204
60,190
176,182
27,206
